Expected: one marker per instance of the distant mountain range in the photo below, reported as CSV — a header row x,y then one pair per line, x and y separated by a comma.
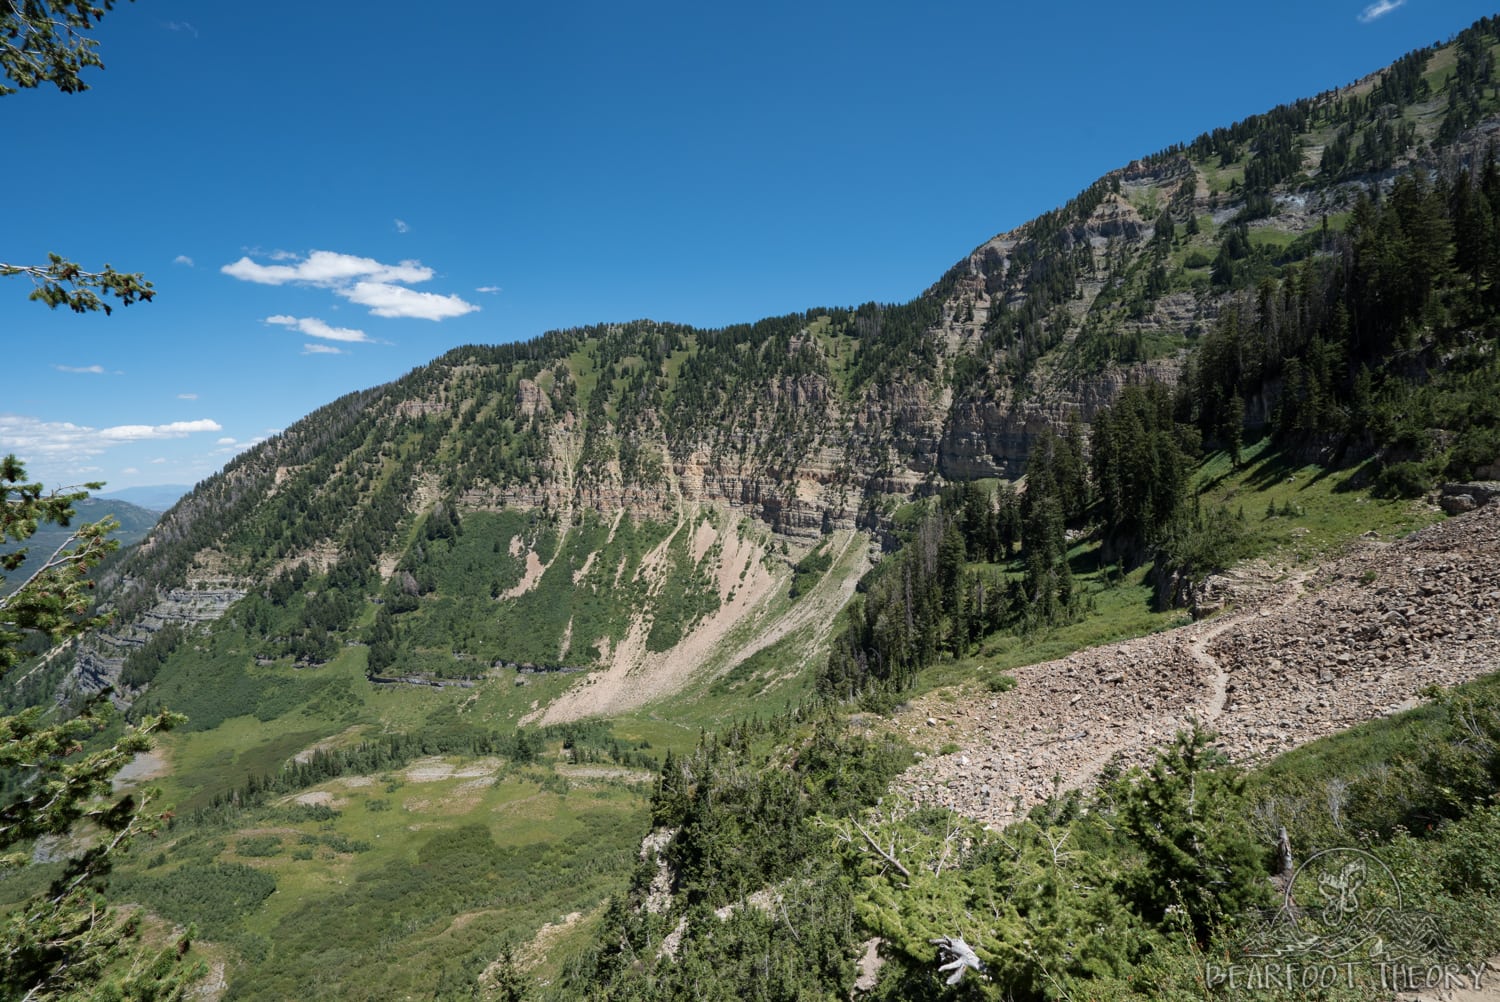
x,y
156,497
135,521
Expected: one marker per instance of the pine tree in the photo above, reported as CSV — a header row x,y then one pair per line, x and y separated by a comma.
x,y
1187,816
1047,587
68,938
1234,429
48,41
508,983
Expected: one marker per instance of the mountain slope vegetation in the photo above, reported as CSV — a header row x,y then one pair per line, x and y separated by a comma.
x,y
450,646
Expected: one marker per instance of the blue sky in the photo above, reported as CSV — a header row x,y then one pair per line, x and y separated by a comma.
x,y
329,195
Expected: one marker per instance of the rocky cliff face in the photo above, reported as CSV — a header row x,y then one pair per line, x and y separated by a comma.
x,y
100,658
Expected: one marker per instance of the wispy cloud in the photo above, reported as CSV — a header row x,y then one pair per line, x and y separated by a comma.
x,y
328,269
145,432
322,349
1379,9
229,446
387,300
180,26
31,436
92,370
183,259
187,396
489,289
313,327
361,280
401,226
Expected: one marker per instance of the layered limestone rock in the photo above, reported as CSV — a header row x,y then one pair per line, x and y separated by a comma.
x,y
100,659
809,454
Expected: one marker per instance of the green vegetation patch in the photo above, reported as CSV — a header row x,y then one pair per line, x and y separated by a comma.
x,y
810,570
216,897
466,619
426,891
687,594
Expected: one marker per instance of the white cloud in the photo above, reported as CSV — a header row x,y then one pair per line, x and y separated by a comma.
x,y
1378,10
178,428
321,349
29,435
183,259
158,460
401,226
490,289
362,280
225,441
313,327
187,396
386,300
142,432
64,440
129,471
180,26
328,269
95,370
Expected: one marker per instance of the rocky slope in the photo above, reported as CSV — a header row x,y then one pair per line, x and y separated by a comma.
x,y
1301,654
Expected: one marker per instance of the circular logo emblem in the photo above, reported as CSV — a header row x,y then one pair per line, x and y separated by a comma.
x,y
1346,905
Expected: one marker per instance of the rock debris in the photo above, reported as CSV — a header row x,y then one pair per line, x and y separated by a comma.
x,y
1292,660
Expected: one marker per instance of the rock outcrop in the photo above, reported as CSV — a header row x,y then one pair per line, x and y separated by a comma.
x,y
100,658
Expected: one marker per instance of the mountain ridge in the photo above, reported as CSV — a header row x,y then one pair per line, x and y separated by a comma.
x,y
153,497
826,420
135,522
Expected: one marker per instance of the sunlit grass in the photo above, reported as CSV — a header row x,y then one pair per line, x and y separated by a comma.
x,y
1318,511
393,878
